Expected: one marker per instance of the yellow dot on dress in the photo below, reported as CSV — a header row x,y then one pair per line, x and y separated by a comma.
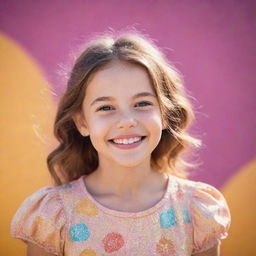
x,y
88,252
87,207
43,223
165,247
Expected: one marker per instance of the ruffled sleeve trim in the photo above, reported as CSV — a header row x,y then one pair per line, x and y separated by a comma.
x,y
27,239
210,217
41,220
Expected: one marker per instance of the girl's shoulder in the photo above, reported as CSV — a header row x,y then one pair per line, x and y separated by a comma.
x,y
42,217
196,188
209,213
204,199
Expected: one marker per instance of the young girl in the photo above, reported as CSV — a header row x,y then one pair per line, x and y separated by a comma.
x,y
122,126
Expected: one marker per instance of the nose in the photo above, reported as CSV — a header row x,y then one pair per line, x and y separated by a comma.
x,y
126,121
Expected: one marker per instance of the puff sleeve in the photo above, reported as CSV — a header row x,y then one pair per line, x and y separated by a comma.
x,y
40,219
210,217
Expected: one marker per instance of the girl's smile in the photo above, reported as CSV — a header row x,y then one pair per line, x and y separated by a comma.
x,y
122,114
127,143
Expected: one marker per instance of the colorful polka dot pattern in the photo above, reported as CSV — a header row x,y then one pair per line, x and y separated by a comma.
x,y
168,218
113,242
88,252
79,232
96,232
186,216
165,247
87,207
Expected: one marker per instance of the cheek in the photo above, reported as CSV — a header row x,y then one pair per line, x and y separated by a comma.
x,y
98,127
153,119
154,124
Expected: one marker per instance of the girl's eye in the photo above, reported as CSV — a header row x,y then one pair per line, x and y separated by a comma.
x,y
145,103
103,108
108,108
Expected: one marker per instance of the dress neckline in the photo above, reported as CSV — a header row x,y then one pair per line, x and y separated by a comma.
x,y
124,213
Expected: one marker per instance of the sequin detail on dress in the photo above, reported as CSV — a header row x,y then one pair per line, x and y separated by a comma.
x,y
88,252
87,207
186,216
79,232
113,242
179,193
165,247
191,218
168,218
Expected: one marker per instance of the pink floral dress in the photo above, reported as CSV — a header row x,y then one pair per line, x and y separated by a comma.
x,y
66,220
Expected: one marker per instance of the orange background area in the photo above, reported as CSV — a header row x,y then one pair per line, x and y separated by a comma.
x,y
240,193
26,138
27,113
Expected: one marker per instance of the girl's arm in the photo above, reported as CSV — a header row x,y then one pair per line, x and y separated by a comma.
x,y
214,251
34,250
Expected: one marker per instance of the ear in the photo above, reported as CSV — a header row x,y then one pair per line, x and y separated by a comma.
x,y
80,123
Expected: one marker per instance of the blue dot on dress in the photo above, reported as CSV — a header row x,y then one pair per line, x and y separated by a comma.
x,y
186,216
79,232
168,218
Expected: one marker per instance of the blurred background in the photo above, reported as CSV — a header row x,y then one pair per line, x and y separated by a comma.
x,y
212,43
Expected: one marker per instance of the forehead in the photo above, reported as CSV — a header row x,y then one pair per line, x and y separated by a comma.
x,y
119,78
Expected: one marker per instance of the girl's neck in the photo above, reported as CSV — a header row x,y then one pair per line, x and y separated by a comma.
x,y
124,182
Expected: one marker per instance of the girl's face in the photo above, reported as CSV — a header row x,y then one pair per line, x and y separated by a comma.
x,y
120,103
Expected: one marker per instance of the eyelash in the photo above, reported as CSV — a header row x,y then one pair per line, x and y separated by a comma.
x,y
101,108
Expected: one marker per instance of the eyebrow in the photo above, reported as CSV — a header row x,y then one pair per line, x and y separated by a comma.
x,y
138,95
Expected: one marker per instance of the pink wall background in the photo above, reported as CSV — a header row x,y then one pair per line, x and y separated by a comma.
x,y
211,42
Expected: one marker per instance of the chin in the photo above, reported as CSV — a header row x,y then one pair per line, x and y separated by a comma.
x,y
130,164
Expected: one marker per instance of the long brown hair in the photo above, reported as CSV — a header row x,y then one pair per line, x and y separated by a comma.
x,y
75,154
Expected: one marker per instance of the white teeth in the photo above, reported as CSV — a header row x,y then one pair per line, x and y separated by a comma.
x,y
129,141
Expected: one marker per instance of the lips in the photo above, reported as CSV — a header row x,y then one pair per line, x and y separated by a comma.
x,y
123,137
128,146
126,140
